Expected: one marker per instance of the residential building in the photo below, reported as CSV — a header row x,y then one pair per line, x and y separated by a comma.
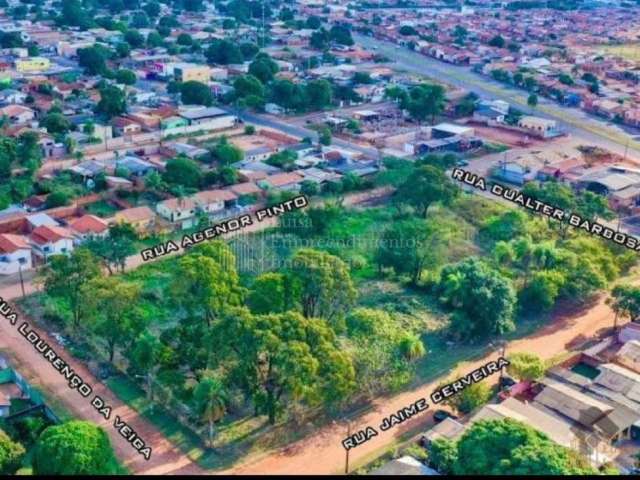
x,y
88,226
33,65
142,219
48,240
181,211
15,254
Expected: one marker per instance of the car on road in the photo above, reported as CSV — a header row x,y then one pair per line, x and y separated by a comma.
x,y
506,382
442,415
462,163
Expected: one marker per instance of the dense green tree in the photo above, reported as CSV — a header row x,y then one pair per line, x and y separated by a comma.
x,y
139,20
625,301
123,49
56,123
247,85
112,101
428,185
282,159
324,136
341,34
182,171
263,68
540,294
593,206
409,246
184,39
497,41
74,448
318,94
506,226
249,50
154,39
223,52
58,198
126,77
287,357
313,22
11,454
526,366
484,300
74,14
196,93
114,316
114,249
509,447
152,9
323,283
207,282
29,151
289,95
532,100
134,38
426,100
470,398
443,455
64,276
320,39
226,153
268,294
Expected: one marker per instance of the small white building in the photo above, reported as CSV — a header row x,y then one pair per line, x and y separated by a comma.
x,y
214,201
88,226
178,210
49,241
540,127
15,253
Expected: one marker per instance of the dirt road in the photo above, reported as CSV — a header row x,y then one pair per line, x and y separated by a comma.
x,y
165,457
10,287
324,454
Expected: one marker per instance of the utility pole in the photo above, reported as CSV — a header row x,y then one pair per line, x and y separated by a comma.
x,y
503,352
346,464
21,280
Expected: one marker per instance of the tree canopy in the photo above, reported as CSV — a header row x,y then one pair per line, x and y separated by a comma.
x,y
74,448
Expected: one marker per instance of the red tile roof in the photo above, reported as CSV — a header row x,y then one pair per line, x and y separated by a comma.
x,y
11,243
43,235
89,224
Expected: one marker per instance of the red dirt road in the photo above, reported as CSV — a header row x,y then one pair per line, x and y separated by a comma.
x,y
324,454
165,457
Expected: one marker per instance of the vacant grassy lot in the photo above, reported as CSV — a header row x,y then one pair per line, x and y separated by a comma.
x,y
628,52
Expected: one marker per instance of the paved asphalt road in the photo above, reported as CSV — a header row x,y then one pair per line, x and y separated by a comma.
x,y
271,122
572,120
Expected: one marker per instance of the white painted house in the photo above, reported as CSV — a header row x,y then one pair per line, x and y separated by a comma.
x,y
214,201
15,252
178,210
49,241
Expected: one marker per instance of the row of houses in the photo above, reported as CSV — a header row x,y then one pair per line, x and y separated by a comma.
x,y
589,403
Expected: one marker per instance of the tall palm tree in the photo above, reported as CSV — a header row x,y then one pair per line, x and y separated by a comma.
x,y
210,396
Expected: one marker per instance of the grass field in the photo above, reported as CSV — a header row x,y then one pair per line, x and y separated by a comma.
x,y
628,52
102,209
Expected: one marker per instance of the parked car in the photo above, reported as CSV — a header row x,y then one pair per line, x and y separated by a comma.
x,y
506,382
441,415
